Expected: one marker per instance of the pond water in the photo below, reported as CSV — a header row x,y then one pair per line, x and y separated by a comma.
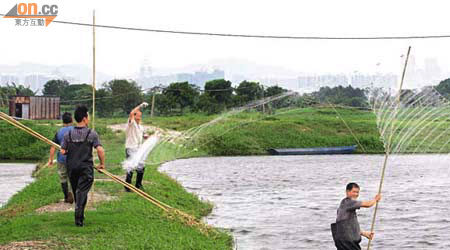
x,y
14,177
289,202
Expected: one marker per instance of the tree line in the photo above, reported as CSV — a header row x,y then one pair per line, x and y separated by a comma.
x,y
120,96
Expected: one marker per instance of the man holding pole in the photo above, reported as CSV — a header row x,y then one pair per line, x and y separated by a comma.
x,y
134,137
346,231
62,169
77,146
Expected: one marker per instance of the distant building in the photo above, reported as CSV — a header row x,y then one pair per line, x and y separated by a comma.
x,y
35,107
317,80
376,80
430,73
356,80
199,78
147,80
287,83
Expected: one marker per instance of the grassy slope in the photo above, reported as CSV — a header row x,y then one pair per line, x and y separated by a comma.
x,y
15,144
251,133
127,223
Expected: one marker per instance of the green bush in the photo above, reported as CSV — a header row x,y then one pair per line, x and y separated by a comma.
x,y
16,144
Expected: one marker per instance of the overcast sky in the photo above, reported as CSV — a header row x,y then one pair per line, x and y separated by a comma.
x,y
120,53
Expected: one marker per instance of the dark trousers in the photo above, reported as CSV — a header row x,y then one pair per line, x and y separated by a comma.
x,y
81,180
347,245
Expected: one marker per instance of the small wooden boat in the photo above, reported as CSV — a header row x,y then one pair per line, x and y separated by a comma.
x,y
312,151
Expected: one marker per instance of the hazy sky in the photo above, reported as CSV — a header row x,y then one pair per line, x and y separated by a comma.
x,y
120,53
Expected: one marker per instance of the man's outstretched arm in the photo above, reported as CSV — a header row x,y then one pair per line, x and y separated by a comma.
x,y
136,109
371,202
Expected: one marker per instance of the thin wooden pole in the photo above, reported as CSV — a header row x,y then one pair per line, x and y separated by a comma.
x,y
263,106
389,142
153,104
93,70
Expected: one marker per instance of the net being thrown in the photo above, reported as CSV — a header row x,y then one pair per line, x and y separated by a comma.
x,y
141,155
420,124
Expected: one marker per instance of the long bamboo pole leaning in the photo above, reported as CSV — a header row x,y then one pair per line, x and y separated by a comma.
x,y
388,148
93,70
186,218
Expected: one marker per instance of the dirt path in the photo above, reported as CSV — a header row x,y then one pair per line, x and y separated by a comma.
x,y
94,198
31,244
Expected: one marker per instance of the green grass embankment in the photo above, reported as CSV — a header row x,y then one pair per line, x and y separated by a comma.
x,y
128,222
17,145
254,133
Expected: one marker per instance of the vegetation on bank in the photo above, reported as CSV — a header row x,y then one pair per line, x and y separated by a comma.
x,y
252,133
247,133
17,145
128,222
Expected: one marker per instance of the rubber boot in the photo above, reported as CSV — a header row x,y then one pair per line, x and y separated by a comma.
x,y
139,178
128,180
65,189
78,218
68,196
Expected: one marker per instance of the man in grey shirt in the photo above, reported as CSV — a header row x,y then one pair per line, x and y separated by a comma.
x,y
77,145
346,231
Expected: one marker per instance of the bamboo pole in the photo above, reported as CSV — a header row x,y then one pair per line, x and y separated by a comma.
x,y
93,70
386,156
263,106
153,104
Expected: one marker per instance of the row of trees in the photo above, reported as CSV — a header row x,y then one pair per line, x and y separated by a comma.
x,y
123,95
13,89
347,96
444,88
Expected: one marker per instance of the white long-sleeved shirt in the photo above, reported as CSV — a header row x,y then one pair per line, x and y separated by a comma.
x,y
134,135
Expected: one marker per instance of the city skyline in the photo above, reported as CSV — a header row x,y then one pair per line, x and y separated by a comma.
x,y
419,74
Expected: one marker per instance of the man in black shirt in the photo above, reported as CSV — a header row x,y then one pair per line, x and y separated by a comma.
x,y
346,231
77,145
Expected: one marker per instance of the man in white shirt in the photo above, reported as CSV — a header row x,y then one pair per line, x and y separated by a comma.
x,y
134,137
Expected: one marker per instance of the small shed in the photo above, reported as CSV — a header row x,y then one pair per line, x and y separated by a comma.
x,y
34,107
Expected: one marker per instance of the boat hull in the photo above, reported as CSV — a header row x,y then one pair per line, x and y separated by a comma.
x,y
312,151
